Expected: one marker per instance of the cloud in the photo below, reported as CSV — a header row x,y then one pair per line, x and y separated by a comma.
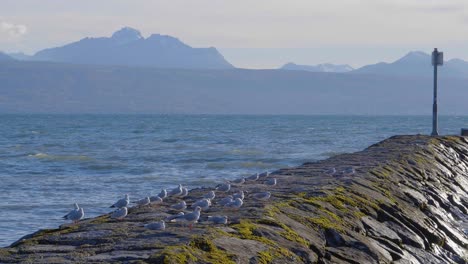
x,y
11,31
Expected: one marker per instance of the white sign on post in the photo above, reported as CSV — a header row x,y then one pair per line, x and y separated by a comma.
x,y
437,58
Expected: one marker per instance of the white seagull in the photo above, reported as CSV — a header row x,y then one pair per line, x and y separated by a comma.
x,y
160,225
349,171
202,203
266,174
330,171
253,177
184,192
210,195
120,213
271,181
235,204
239,181
156,199
218,219
179,206
122,202
262,196
143,202
75,215
176,192
238,195
225,187
169,218
190,218
225,200
163,194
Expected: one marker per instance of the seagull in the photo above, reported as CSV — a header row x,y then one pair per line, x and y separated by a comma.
x,y
271,181
225,200
202,203
253,177
160,225
163,194
238,195
266,174
75,215
225,187
330,171
190,218
239,181
176,192
184,192
349,171
169,218
144,201
122,202
156,199
210,195
120,213
179,206
262,196
218,219
236,203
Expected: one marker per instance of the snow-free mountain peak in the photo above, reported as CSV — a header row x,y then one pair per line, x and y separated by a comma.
x,y
126,34
128,47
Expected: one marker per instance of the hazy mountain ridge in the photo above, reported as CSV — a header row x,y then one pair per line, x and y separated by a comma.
x,y
5,57
417,63
325,67
128,47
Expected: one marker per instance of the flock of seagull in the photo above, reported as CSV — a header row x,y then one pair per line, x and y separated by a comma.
x,y
234,201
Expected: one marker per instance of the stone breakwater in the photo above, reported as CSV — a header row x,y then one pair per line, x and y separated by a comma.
x,y
407,202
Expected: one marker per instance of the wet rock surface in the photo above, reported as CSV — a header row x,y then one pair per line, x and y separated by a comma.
x,y
405,202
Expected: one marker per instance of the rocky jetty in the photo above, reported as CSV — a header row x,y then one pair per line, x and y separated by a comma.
x,y
405,200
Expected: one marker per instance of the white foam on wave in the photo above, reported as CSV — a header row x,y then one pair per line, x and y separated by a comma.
x,y
42,155
39,155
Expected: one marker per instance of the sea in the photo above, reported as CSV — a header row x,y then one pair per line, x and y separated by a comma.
x,y
49,162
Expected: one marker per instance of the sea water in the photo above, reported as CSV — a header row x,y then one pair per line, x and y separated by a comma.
x,y
49,162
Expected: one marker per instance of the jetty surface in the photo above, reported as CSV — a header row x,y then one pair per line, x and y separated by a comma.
x,y
405,202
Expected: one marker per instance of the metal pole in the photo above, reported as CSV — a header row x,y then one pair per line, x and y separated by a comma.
x,y
434,106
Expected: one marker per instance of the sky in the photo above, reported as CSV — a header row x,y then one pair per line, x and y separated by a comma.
x,y
251,33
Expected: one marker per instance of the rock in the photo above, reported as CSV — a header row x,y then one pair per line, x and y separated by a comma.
x,y
333,238
377,229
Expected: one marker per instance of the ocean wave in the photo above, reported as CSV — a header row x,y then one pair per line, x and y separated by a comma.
x,y
46,156
246,152
330,154
255,164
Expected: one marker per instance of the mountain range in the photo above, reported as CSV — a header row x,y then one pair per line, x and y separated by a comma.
x,y
417,63
128,47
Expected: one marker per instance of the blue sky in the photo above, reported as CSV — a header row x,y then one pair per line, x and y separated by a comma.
x,y
251,33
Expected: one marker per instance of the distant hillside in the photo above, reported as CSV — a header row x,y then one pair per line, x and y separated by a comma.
x,y
128,47
20,56
416,63
39,87
4,57
327,67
